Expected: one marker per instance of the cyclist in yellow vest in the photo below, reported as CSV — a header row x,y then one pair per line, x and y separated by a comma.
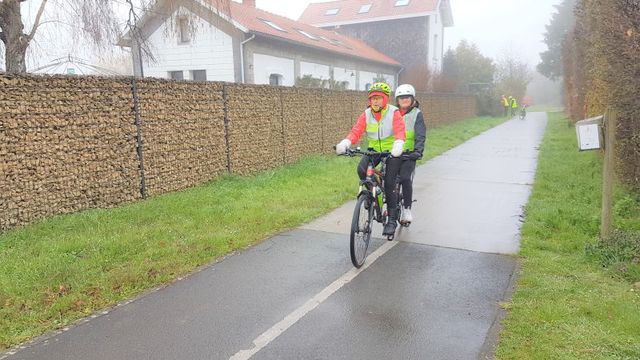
x,y
514,105
414,144
385,131
505,104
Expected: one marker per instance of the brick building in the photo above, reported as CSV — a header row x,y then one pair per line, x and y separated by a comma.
x,y
410,31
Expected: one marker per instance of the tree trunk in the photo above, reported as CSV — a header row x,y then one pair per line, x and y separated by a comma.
x,y
15,40
15,54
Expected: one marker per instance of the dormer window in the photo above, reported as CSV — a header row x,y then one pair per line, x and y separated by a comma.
x,y
364,9
310,36
332,11
273,25
330,41
338,42
402,2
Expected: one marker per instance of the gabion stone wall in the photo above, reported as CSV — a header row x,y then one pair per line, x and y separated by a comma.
x,y
255,128
182,126
444,109
69,143
337,110
66,144
303,122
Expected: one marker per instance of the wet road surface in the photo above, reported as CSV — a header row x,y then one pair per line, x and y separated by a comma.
x,y
431,295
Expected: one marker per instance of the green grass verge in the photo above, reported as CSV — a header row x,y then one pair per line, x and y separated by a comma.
x,y
66,267
566,304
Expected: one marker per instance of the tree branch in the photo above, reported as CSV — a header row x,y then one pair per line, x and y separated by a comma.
x,y
36,24
3,9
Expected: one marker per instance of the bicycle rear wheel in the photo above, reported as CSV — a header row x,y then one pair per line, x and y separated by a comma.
x,y
361,229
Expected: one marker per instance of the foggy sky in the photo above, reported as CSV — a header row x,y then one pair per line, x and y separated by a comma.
x,y
496,26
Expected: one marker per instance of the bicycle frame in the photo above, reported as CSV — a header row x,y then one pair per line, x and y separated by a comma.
x,y
373,184
370,193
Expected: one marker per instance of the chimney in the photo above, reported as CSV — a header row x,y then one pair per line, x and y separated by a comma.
x,y
251,3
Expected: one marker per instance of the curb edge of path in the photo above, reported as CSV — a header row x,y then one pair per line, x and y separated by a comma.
x,y
488,349
51,334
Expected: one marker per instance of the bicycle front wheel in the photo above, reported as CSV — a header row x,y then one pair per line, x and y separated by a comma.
x,y
361,229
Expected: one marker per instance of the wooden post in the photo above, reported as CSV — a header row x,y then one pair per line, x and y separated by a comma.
x,y
608,172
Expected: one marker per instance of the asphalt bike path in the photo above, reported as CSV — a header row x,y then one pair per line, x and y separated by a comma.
x,y
432,293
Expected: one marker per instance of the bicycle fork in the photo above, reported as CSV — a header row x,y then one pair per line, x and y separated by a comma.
x,y
372,186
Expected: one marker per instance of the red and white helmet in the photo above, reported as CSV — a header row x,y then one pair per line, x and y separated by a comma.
x,y
404,90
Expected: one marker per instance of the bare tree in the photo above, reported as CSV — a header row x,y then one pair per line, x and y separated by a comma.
x,y
512,76
93,20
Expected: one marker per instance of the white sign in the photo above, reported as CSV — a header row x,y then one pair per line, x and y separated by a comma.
x,y
589,137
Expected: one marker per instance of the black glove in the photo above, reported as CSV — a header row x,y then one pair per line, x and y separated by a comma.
x,y
412,156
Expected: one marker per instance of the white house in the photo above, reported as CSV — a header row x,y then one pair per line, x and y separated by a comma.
x,y
248,45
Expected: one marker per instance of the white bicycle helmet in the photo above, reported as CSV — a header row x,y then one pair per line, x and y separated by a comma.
x,y
404,90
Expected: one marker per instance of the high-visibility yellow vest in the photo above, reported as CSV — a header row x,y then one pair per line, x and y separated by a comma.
x,y
409,125
380,133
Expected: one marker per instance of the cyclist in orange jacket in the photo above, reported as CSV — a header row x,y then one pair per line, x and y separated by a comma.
x,y
385,131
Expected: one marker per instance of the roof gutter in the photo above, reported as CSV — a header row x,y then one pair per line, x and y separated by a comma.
x,y
242,56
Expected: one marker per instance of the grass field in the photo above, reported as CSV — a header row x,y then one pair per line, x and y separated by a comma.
x,y
575,296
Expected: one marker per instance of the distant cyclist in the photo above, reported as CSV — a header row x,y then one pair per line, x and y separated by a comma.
x,y
514,105
523,111
505,104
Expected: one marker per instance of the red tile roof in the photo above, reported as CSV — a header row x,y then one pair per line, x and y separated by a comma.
x,y
253,20
348,11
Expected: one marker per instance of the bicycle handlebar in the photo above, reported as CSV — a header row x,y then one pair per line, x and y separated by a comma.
x,y
353,152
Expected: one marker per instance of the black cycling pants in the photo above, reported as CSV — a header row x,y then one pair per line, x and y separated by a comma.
x,y
406,170
392,170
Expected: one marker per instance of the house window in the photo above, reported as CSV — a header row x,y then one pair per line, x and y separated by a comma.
x,y
275,79
176,75
310,36
273,25
183,29
402,2
332,11
364,9
199,75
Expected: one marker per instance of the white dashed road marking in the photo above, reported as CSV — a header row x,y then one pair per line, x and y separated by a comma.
x,y
268,336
